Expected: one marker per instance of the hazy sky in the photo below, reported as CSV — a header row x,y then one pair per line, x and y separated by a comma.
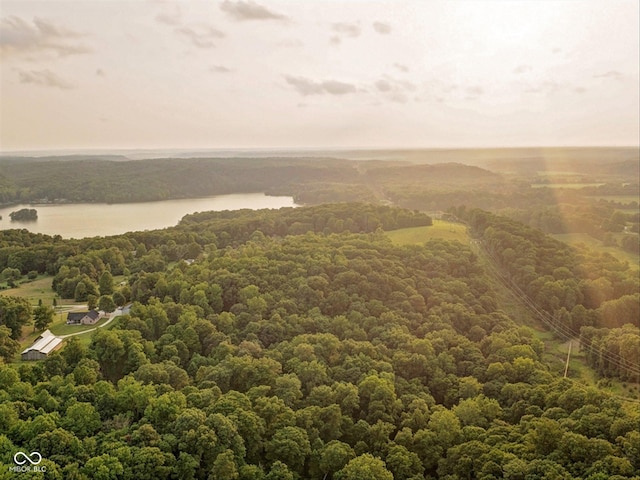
x,y
244,73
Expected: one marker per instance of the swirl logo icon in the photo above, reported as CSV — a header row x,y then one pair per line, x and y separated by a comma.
x,y
20,458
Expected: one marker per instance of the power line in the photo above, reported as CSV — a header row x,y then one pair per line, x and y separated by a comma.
x,y
557,326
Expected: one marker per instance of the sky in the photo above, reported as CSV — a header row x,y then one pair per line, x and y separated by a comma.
x,y
153,74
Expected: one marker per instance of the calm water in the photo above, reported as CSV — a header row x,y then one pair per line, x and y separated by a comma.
x,y
81,220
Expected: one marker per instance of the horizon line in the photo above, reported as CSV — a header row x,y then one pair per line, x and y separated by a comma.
x,y
295,149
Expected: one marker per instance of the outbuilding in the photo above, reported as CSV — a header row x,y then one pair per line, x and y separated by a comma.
x,y
42,347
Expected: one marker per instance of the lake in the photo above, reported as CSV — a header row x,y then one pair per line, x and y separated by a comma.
x,y
79,220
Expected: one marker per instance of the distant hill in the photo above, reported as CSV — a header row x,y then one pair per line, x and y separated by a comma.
x,y
93,180
568,160
445,173
60,158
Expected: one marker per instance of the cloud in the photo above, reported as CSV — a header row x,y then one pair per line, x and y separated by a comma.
x,y
171,19
18,36
43,78
383,86
398,97
220,69
334,87
394,90
305,86
346,29
473,92
522,69
614,74
402,68
291,43
547,88
249,10
201,37
382,28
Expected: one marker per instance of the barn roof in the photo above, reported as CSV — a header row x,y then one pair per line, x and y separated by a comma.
x,y
45,343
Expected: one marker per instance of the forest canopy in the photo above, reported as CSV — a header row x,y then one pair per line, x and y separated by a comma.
x,y
302,343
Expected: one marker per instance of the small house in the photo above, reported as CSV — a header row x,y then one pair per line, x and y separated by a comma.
x,y
46,343
83,318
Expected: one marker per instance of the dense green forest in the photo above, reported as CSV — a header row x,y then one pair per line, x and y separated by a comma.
x,y
302,344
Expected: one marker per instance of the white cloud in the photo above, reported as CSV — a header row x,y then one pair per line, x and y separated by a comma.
x,y
614,74
220,69
402,68
43,78
249,10
18,36
522,69
382,28
201,36
346,29
305,86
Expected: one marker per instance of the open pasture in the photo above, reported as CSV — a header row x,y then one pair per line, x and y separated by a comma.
x,y
34,290
595,244
440,229
565,185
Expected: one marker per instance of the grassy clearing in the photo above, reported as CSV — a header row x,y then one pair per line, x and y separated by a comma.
x,y
595,244
440,229
565,185
35,290
40,289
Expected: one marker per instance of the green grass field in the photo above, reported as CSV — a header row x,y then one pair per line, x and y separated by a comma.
x,y
440,229
565,185
595,244
38,289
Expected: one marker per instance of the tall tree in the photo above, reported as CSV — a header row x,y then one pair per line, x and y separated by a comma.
x,y
15,312
365,467
42,317
105,284
8,346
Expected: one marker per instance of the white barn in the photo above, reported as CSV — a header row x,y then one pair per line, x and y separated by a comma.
x,y
43,346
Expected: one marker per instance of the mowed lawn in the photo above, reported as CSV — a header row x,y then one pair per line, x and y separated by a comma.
x,y
440,229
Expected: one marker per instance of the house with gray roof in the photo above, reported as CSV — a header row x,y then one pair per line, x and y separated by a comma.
x,y
83,318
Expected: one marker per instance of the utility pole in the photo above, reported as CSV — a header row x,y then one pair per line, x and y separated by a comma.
x,y
566,367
